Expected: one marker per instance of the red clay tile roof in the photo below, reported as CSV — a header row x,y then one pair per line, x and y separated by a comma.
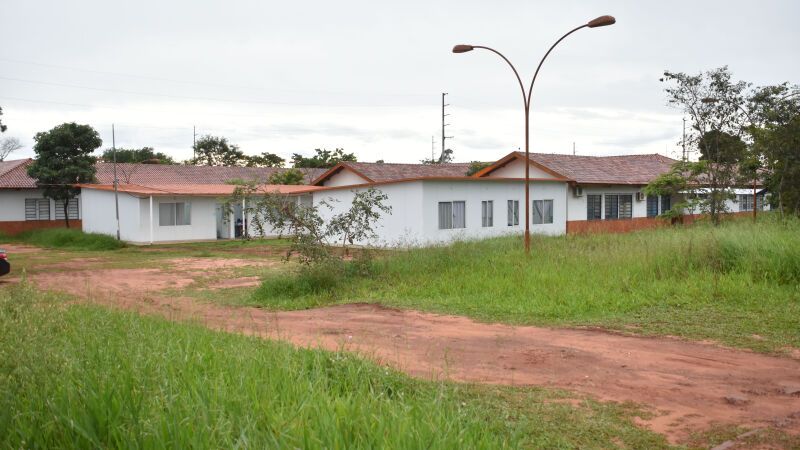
x,y
195,189
379,172
625,169
13,174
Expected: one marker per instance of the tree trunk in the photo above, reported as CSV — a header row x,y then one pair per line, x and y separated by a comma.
x,y
66,215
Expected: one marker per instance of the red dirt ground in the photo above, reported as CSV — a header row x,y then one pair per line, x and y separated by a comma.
x,y
685,383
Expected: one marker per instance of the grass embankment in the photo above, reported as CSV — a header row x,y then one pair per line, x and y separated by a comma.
x,y
87,377
68,239
738,283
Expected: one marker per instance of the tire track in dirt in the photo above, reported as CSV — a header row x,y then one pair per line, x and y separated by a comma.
x,y
686,383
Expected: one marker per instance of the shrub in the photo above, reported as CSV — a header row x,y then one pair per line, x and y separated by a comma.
x,y
70,239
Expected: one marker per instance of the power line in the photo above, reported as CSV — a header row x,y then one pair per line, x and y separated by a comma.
x,y
203,83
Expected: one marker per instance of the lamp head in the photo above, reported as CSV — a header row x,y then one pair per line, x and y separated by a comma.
x,y
461,48
602,21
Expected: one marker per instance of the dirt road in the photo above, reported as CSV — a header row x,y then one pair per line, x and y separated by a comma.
x,y
690,386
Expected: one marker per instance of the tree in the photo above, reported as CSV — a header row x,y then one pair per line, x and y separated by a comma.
x,y
324,159
3,128
7,146
265,159
445,158
63,159
216,151
288,176
476,166
312,237
144,155
776,143
716,106
683,181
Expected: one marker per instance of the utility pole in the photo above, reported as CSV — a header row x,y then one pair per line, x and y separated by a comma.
x,y
432,144
194,141
441,157
683,142
116,196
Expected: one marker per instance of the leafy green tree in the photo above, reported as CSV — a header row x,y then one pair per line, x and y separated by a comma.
x,y
476,166
716,107
323,159
776,143
313,238
63,159
216,151
682,181
265,159
288,176
144,155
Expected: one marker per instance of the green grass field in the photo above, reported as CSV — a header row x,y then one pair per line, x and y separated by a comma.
x,y
88,377
738,284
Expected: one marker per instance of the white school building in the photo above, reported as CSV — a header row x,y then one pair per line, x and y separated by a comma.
x,y
431,204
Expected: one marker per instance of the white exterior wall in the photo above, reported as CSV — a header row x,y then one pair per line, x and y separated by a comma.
x,y
134,217
99,216
577,205
345,177
516,169
415,209
404,224
12,204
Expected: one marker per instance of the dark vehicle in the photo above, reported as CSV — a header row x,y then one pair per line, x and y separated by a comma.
x,y
5,266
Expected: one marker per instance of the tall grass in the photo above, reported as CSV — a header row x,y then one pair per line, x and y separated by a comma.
x,y
739,274
86,377
69,239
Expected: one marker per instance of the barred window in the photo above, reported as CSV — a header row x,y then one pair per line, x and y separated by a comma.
x,y
37,209
487,213
652,205
72,209
542,211
619,206
594,207
666,203
745,202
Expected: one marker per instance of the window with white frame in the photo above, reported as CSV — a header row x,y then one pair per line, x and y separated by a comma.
x,y
37,209
452,215
487,213
513,213
594,209
72,209
172,214
619,206
542,212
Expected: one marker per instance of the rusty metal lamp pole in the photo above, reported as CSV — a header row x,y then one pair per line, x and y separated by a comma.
x,y
526,98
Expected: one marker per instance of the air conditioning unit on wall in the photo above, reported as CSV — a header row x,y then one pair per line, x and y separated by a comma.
x,y
577,191
640,196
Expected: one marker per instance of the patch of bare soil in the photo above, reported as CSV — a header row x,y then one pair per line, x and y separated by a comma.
x,y
11,249
690,386
110,282
216,263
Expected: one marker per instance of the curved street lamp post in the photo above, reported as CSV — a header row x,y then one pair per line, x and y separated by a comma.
x,y
526,98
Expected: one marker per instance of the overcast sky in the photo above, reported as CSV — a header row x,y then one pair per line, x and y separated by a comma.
x,y
289,77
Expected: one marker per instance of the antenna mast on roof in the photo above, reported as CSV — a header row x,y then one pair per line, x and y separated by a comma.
x,y
442,156
573,148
